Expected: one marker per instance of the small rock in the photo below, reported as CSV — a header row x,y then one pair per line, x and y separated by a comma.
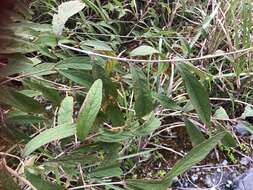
x,y
245,161
224,163
245,181
208,181
48,107
194,177
241,130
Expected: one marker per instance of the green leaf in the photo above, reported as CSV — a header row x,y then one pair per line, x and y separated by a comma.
x,y
97,45
221,114
142,93
25,119
167,102
115,115
20,101
39,183
134,130
197,154
18,63
48,136
98,10
83,155
16,45
143,51
45,39
78,62
204,26
80,77
248,112
148,127
228,140
65,113
98,72
146,185
197,93
48,92
107,170
65,11
89,109
195,135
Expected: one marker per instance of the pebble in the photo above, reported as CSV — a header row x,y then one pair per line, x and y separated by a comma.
x,y
245,181
241,130
48,107
245,161
224,163
218,170
208,181
194,177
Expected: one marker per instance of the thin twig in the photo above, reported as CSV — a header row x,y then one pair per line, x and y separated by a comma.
x,y
15,174
124,59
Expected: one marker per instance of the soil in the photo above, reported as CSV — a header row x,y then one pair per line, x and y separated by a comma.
x,y
214,172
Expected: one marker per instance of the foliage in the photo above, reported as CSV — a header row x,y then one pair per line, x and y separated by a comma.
x,y
86,119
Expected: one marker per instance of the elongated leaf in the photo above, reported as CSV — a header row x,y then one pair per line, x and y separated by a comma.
x,y
107,170
78,62
195,135
89,109
142,94
204,26
20,101
167,102
134,130
17,64
143,51
16,45
49,93
97,45
39,183
146,185
25,119
48,136
197,93
193,157
65,11
99,10
65,113
79,77
248,112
